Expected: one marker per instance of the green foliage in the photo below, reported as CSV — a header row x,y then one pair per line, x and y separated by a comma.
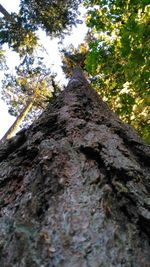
x,y
72,57
33,81
54,16
118,58
20,38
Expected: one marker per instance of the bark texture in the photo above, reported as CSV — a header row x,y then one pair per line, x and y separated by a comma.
x,y
75,188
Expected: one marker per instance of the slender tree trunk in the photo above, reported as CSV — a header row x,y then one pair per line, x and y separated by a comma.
x,y
13,129
75,188
5,12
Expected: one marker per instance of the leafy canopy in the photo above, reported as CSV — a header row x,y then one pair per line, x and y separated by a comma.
x,y
54,16
119,58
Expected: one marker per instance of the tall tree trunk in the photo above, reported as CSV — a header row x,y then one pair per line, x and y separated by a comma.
x,y
75,188
14,127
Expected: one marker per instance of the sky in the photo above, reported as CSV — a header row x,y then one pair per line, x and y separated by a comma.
x,y
53,56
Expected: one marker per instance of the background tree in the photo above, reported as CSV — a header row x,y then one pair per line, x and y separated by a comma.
x,y
54,16
30,86
19,30
21,38
118,58
28,91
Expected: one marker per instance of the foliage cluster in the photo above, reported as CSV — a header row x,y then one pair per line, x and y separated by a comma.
x,y
119,59
56,17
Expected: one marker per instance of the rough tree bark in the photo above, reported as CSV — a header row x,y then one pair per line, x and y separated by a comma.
x,y
75,188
